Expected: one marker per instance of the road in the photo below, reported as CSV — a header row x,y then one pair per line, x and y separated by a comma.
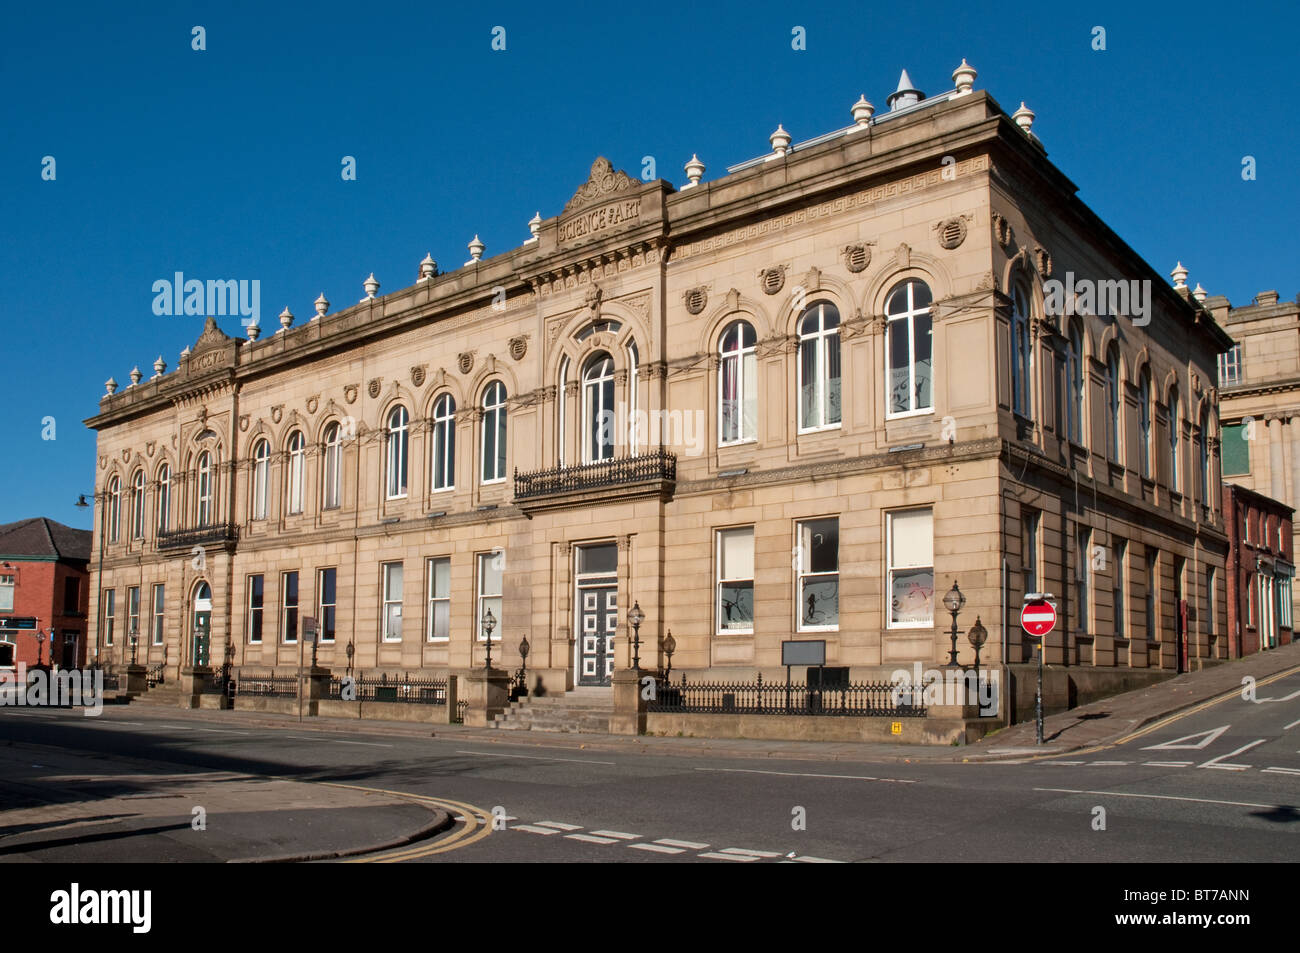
x,y
1221,783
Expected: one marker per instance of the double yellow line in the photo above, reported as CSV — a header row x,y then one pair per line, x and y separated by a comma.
x,y
476,826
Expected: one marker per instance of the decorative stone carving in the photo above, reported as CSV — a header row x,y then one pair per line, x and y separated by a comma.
x,y
1001,230
203,415
243,423
772,280
465,361
373,387
312,403
952,232
103,461
988,282
350,393
150,447
857,257
1043,259
126,455
733,300
603,183
695,299
904,255
812,280
518,347
277,413
417,375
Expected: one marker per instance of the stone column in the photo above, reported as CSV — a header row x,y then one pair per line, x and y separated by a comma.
x,y
315,686
1275,474
192,681
629,704
488,694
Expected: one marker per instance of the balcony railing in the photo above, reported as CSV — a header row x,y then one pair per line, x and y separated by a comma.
x,y
219,534
656,466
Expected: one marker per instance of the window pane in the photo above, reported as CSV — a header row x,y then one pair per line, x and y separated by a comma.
x,y
442,619
820,540
899,377
819,600
832,346
737,553
749,378
912,538
924,362
912,596
730,387
490,576
736,602
591,559
808,416
441,578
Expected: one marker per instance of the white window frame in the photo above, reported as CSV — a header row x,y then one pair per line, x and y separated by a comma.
x,y
108,613
164,497
596,386
203,511
1119,588
1083,580
388,599
8,586
906,319
332,468
114,509
322,605
1230,366
137,505
720,580
297,472
434,599
1175,444
1022,354
482,598
744,362
133,613
819,341
803,556
442,436
562,395
285,607
397,455
633,369
890,569
261,477
261,610
496,423
158,614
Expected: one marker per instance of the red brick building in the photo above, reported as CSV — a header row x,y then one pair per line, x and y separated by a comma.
x,y
44,573
1261,564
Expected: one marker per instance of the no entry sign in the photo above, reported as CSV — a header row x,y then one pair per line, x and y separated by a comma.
x,y
1038,618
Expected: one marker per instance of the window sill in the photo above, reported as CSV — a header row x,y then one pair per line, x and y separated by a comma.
x,y
910,414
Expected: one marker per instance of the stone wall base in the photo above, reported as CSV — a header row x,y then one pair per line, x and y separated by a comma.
x,y
914,731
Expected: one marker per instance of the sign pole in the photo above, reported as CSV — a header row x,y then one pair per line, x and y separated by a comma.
x,y
1039,704
1037,618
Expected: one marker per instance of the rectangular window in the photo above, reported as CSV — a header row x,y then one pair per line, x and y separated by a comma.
x,y
439,620
911,568
489,593
818,576
110,614
1230,366
392,623
1029,548
1153,568
1235,450
6,592
1284,601
289,606
156,622
133,613
326,603
1082,573
735,583
1250,599
256,604
1211,615
71,595
1119,585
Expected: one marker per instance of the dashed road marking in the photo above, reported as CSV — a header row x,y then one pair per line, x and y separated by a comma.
x,y
559,826
1280,771
1168,764
1161,797
713,855
1292,725
814,860
591,839
795,774
751,853
534,830
687,844
1110,763
533,757
657,848
616,834
1067,763
1215,763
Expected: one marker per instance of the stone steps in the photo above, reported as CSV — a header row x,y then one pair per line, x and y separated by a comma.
x,y
579,712
168,696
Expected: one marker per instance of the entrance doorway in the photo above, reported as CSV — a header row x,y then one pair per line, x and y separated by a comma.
x,y
596,615
201,632
69,657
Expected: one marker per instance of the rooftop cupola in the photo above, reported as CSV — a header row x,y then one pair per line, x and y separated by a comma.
x,y
906,94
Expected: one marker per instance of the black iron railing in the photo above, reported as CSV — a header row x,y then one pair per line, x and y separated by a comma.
x,y
518,685
383,687
112,681
461,707
156,675
862,700
216,535
266,684
657,464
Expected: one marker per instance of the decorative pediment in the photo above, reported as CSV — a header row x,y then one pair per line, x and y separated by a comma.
x,y
604,182
211,337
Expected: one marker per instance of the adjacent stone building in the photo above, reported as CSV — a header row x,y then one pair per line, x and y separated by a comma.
x,y
44,576
1261,566
796,401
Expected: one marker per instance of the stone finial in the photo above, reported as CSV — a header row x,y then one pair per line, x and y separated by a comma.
x,y
254,329
964,77
371,285
780,142
535,227
906,94
135,375
286,319
694,171
110,387
1199,293
1024,117
159,367
428,267
475,251
185,352
322,305
1179,274
862,112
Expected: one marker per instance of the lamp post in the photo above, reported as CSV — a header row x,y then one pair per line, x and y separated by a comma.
x,y
135,641
977,636
99,579
670,646
351,650
953,601
40,644
523,665
635,616
489,623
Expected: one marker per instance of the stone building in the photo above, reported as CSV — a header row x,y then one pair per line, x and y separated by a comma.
x,y
1259,395
1261,566
796,401
44,577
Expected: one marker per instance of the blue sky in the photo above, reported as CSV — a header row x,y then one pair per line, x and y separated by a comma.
x,y
225,163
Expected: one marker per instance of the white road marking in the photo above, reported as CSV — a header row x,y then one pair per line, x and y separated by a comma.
x,y
534,830
591,838
1285,698
560,827
751,853
1280,771
1292,725
1214,762
795,774
689,845
816,860
368,744
529,757
1207,737
740,857
1161,797
618,834
657,848
1168,764
1068,763
1111,763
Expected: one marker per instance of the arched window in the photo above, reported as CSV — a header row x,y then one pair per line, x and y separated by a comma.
x,y
633,427
1144,420
1203,456
494,432
1175,439
137,505
1022,357
444,443
297,466
332,470
1112,401
398,433
164,497
204,513
909,356
737,384
598,408
114,509
819,367
562,393
1074,374
261,477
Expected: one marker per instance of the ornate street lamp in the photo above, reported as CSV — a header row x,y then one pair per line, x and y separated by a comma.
x,y
135,642
489,623
40,642
523,665
953,601
351,650
978,635
670,646
635,616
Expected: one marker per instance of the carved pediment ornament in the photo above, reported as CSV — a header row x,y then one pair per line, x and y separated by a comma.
x,y
103,460
465,361
203,415
518,347
733,300
857,257
417,375
243,423
312,403
126,455
695,300
211,337
1001,230
903,255
1043,259
350,393
150,447
772,280
373,387
604,182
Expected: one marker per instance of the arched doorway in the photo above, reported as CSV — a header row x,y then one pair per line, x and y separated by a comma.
x,y
201,627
